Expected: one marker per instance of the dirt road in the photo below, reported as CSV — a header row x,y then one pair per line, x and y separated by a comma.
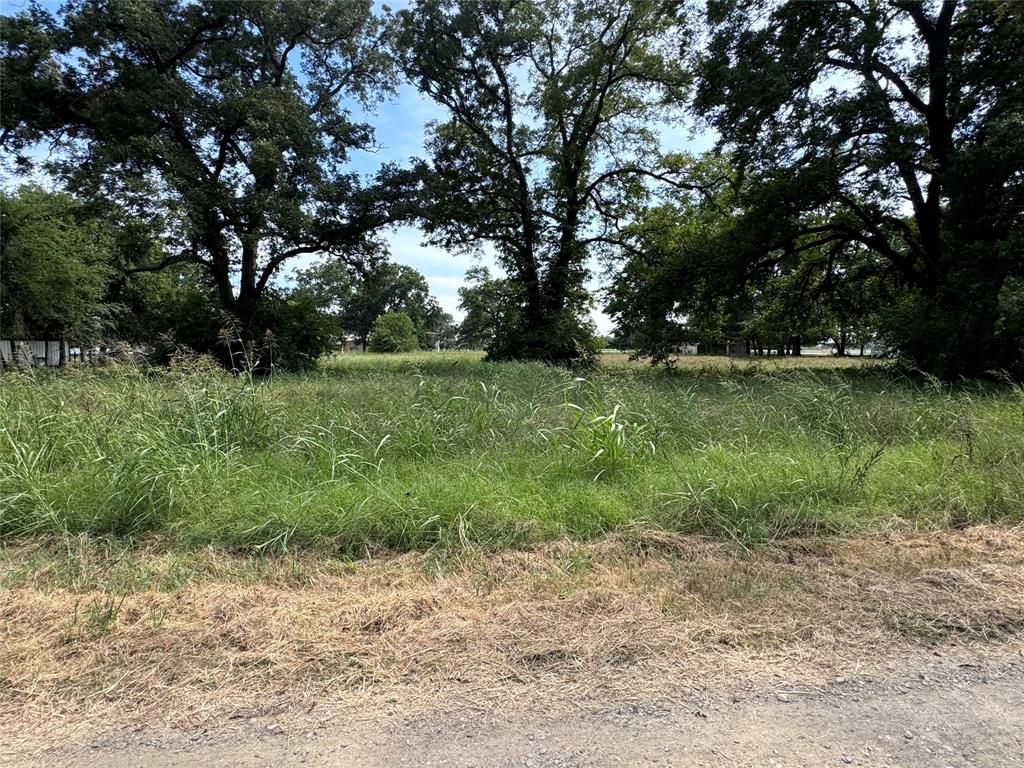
x,y
942,712
896,651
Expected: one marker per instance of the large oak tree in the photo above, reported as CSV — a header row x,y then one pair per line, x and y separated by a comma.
x,y
231,117
891,126
550,132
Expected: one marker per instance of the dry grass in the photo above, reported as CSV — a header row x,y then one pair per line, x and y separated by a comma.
x,y
745,363
638,615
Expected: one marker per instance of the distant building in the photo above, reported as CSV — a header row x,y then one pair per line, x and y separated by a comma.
x,y
32,352
347,343
46,353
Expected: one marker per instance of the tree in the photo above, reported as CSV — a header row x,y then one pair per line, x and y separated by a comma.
x,y
679,282
393,332
689,279
171,310
893,127
547,143
356,298
231,114
484,300
54,267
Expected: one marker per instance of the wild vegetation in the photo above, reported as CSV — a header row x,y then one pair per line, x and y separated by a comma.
x,y
424,451
272,500
864,182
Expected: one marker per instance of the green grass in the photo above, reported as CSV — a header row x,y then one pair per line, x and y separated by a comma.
x,y
441,449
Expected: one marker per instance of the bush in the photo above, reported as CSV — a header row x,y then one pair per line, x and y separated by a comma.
x,y
965,330
393,332
292,331
564,340
285,332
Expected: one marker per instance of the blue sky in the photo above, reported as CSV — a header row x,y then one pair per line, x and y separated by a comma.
x,y
400,124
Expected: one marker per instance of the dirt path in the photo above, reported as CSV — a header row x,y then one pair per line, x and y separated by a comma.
x,y
942,712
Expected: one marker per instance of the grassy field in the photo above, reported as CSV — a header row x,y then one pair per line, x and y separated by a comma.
x,y
434,451
186,550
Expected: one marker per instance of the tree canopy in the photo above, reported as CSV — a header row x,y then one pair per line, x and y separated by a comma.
x,y
356,298
485,300
893,127
393,332
228,116
690,278
547,138
54,267
867,183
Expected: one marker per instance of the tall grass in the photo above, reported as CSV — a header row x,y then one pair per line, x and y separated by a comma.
x,y
411,452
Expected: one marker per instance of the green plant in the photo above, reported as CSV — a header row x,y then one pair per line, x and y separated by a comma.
x,y
444,451
603,441
97,619
393,332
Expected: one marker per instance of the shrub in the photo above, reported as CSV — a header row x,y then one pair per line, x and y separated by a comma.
x,y
565,340
285,332
393,332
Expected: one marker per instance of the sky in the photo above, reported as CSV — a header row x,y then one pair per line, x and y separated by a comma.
x,y
400,126
400,131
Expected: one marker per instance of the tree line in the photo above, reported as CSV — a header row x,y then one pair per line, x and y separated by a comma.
x,y
65,277
866,184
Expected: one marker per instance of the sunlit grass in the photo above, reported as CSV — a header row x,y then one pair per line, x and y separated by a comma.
x,y
441,449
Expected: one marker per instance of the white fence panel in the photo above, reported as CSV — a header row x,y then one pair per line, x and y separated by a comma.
x,y
35,352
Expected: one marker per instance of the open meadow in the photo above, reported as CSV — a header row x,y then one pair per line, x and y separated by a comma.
x,y
194,561
423,451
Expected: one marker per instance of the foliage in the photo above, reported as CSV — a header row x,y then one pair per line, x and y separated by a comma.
x,y
844,116
393,332
871,187
551,108
293,331
673,286
356,298
229,117
55,267
287,331
485,300
183,315
171,302
1011,313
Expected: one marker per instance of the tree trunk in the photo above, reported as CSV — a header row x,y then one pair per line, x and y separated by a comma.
x,y
247,291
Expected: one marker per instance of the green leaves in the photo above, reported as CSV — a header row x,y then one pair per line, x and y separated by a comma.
x,y
393,332
355,299
232,114
879,127
552,109
55,267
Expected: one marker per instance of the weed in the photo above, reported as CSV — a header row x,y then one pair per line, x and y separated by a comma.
x,y
97,619
444,452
